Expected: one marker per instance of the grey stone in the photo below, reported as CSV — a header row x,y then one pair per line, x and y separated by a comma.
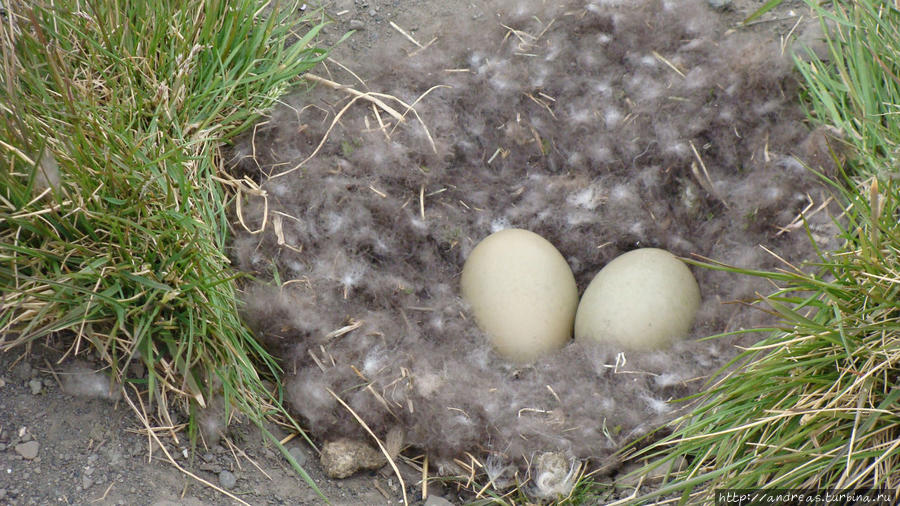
x,y
719,4
227,480
2,493
36,386
137,368
298,454
28,450
86,482
356,24
436,500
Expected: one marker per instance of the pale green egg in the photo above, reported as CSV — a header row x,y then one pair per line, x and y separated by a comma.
x,y
642,300
522,293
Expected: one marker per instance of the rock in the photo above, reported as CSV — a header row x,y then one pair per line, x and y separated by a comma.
x,y
719,4
36,386
227,480
298,454
2,493
28,450
436,500
356,24
344,457
86,482
137,368
2,382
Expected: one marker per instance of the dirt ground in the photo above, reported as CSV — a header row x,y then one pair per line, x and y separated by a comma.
x,y
56,448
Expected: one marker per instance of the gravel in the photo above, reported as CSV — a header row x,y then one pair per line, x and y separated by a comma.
x,y
28,450
299,455
36,386
436,500
227,480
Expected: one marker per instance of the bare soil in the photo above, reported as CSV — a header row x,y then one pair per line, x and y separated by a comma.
x,y
93,451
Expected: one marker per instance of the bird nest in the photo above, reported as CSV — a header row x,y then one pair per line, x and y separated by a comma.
x,y
602,126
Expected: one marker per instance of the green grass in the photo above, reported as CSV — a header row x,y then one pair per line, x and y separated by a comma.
x,y
817,403
112,209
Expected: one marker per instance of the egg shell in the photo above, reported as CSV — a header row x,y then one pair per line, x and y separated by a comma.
x,y
522,293
642,300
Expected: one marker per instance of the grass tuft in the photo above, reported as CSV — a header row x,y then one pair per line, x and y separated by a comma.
x,y
112,214
816,404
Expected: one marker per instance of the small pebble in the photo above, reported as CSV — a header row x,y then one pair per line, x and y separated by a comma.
x,y
36,386
28,450
227,480
372,12
86,482
2,493
356,24
719,4
436,500
2,384
298,454
137,368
